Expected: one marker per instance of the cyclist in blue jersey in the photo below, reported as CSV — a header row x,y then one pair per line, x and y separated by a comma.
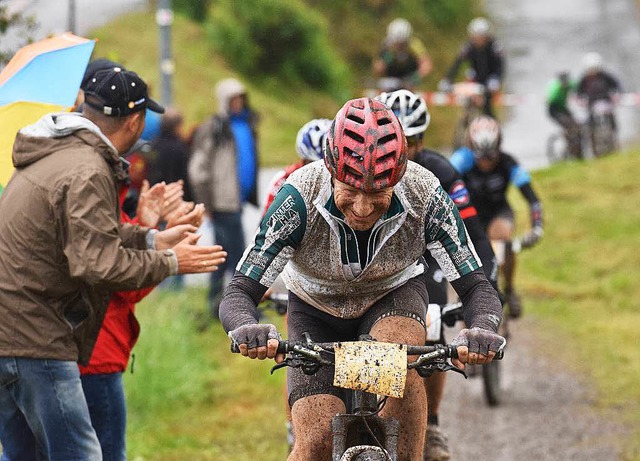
x,y
348,234
488,172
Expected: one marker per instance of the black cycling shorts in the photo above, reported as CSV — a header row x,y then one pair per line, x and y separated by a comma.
x,y
505,212
409,300
437,287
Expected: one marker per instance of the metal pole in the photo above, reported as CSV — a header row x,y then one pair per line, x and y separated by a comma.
x,y
71,18
164,19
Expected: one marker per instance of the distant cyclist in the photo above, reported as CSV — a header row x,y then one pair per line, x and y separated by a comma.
x,y
558,91
597,84
309,142
488,172
348,235
413,113
403,57
484,56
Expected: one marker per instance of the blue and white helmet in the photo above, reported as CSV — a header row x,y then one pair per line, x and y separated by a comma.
x,y
410,108
310,139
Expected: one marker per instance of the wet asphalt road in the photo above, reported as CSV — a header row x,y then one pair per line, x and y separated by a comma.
x,y
543,37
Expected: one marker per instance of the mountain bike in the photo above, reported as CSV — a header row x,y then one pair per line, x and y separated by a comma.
x,y
565,144
601,127
491,374
372,371
471,97
450,314
276,301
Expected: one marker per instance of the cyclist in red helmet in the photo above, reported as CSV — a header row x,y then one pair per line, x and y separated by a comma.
x,y
348,236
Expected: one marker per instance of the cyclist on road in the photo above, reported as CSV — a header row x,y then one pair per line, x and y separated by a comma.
x,y
402,57
485,58
348,235
596,84
412,111
557,94
488,172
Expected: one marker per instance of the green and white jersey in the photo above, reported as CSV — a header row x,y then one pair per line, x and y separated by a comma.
x,y
304,236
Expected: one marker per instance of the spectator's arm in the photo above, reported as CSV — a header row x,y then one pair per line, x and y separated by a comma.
x,y
92,239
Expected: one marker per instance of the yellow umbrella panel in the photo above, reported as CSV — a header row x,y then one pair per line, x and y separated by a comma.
x,y
13,117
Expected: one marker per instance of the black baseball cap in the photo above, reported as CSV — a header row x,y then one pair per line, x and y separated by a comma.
x,y
117,92
94,66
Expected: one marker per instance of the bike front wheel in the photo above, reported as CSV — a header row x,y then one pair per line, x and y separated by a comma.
x,y
557,148
492,382
364,453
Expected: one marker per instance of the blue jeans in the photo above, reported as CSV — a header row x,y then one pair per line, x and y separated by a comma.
x,y
228,232
108,411
43,412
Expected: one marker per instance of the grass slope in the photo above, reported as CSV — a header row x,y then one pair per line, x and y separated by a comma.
x,y
582,280
132,41
189,398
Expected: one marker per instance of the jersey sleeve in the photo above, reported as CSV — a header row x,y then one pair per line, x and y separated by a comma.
x,y
280,233
417,47
447,238
462,160
518,175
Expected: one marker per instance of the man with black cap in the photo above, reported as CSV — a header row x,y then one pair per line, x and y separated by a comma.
x,y
62,251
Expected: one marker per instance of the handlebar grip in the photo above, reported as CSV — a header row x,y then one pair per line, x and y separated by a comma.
x,y
283,347
453,353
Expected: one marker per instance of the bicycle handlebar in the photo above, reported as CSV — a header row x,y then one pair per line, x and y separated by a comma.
x,y
312,350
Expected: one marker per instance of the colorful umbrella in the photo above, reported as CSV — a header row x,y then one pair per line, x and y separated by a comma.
x,y
42,77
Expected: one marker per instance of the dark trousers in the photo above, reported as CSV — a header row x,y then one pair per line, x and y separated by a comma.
x,y
228,232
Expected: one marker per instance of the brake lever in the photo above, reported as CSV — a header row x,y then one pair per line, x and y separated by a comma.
x,y
427,369
308,367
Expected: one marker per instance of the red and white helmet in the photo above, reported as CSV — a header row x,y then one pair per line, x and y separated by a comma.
x,y
365,146
484,136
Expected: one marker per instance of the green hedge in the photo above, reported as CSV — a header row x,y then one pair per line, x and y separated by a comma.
x,y
281,38
194,9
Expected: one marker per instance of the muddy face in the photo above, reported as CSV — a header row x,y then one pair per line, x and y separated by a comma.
x,y
361,209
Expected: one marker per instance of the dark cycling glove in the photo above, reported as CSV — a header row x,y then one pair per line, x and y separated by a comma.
x,y
479,340
253,335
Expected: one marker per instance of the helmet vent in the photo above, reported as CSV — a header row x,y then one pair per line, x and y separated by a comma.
x,y
354,135
387,138
390,155
353,154
384,121
355,118
352,171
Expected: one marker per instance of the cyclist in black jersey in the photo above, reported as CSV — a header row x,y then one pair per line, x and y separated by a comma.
x,y
412,111
597,84
488,172
485,58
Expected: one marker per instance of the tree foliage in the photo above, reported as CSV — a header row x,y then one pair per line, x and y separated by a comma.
x,y
281,38
23,26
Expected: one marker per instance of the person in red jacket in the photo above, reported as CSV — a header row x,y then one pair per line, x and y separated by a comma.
x,y
102,377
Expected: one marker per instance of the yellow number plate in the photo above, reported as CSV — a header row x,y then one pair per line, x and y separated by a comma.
x,y
379,368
